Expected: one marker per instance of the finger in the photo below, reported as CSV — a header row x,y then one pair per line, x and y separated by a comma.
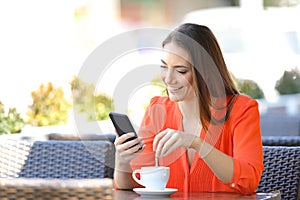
x,y
172,148
157,138
162,142
138,142
130,135
117,141
121,147
131,153
135,149
155,141
123,138
131,143
169,144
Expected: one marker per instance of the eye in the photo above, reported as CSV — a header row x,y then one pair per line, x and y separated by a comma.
x,y
163,67
181,72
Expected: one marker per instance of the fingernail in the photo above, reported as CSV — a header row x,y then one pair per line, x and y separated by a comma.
x,y
130,134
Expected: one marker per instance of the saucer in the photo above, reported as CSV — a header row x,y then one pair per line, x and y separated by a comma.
x,y
147,192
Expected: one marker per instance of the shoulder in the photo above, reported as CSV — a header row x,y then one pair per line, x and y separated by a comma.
x,y
244,104
162,105
161,100
163,113
244,100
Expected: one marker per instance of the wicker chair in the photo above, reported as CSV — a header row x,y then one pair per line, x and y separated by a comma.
x,y
282,171
281,140
106,136
56,169
57,159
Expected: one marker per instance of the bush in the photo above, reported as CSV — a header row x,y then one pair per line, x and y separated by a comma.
x,y
82,95
250,88
96,106
49,107
289,83
10,122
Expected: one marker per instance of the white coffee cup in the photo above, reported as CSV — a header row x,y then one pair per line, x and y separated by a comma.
x,y
153,178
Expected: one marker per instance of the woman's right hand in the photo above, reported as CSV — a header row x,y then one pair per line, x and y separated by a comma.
x,y
127,151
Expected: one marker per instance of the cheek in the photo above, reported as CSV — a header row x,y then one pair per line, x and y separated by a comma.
x,y
189,80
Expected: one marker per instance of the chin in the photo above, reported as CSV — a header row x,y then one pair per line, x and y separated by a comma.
x,y
175,98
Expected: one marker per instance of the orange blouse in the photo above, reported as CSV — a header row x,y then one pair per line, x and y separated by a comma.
x,y
239,137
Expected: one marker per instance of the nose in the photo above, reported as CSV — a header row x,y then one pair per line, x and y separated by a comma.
x,y
170,77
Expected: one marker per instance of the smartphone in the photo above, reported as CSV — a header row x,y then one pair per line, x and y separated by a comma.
x,y
122,124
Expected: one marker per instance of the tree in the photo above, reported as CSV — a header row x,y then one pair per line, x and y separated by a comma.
x,y
289,83
10,122
49,106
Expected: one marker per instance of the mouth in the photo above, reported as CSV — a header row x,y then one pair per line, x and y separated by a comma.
x,y
174,90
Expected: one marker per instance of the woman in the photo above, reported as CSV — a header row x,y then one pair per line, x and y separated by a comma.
x,y
204,130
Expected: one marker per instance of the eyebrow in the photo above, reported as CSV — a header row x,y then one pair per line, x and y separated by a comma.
x,y
176,66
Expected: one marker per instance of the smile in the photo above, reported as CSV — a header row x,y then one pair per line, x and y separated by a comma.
x,y
174,89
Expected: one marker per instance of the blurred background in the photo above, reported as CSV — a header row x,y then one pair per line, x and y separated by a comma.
x,y
43,45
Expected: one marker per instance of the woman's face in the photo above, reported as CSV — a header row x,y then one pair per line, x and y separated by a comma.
x,y
176,73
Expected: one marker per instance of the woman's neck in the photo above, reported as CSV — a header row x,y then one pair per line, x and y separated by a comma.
x,y
189,109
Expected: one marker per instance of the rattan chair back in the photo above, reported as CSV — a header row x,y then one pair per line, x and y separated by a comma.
x,y
57,159
281,140
282,171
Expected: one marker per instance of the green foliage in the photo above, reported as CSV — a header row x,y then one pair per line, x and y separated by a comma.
x,y
250,88
103,105
96,106
49,106
10,122
280,3
289,83
157,82
82,95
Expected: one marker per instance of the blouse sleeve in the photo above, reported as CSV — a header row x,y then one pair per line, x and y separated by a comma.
x,y
152,123
247,148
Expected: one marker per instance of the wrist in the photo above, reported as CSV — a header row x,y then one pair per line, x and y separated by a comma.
x,y
196,144
123,166
202,147
205,149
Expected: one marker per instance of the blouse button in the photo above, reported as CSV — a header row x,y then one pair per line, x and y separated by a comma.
x,y
232,184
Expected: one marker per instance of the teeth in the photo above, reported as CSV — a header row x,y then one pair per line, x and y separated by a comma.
x,y
174,89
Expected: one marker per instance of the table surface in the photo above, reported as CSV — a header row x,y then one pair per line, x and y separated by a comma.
x,y
100,189
131,195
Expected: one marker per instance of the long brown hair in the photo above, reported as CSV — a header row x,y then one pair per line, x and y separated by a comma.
x,y
210,74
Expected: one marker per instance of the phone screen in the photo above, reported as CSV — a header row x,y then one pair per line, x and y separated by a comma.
x,y
121,123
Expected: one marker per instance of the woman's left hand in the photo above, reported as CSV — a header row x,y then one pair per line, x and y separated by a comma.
x,y
169,140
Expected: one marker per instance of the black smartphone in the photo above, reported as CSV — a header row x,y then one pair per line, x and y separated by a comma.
x,y
122,124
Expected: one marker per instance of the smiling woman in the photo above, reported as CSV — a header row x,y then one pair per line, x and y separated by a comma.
x,y
204,130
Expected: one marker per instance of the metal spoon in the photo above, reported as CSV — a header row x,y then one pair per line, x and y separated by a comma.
x,y
156,161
